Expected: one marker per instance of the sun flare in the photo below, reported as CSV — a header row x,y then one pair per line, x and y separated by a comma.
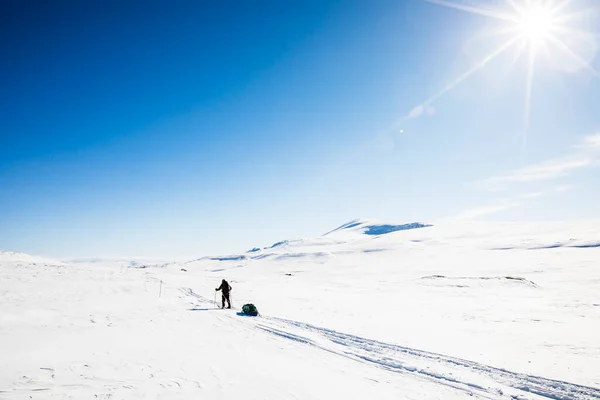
x,y
536,24
543,32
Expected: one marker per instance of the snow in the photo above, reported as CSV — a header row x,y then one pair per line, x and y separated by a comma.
x,y
449,311
12,257
369,227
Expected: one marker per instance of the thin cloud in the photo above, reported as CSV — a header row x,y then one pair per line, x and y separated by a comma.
x,y
563,188
485,210
507,204
533,195
592,142
499,206
587,155
540,172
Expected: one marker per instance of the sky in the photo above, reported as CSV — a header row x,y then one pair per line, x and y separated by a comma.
x,y
181,129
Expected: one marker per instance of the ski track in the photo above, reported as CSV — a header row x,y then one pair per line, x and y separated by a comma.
x,y
475,379
440,368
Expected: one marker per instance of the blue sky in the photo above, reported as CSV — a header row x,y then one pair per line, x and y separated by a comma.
x,y
180,129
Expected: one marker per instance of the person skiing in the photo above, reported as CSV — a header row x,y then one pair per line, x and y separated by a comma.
x,y
226,288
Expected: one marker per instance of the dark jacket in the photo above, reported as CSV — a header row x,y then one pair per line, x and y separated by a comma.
x,y
224,287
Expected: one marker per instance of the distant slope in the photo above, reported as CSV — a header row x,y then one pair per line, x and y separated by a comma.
x,y
354,236
13,257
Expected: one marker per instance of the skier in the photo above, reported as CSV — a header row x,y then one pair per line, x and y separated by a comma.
x,y
226,289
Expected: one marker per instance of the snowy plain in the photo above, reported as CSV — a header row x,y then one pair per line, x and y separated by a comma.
x,y
449,311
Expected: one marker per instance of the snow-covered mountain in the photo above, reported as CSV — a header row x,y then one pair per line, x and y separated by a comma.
x,y
369,227
132,262
369,236
354,234
12,257
396,311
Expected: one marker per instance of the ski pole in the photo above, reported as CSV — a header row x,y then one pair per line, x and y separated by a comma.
x,y
215,299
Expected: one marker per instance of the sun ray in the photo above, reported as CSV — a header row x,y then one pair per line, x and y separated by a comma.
x,y
520,48
471,71
528,95
556,10
514,5
474,10
568,18
538,28
566,30
576,57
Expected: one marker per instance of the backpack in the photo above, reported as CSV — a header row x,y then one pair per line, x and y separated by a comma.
x,y
250,309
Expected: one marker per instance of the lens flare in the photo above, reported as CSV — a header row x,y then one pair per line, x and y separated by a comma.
x,y
536,28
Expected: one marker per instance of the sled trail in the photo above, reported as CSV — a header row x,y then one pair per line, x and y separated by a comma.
x,y
472,377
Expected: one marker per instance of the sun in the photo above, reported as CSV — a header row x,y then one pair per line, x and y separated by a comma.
x,y
536,24
537,30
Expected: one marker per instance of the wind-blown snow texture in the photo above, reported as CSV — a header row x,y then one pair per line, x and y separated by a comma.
x,y
369,310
